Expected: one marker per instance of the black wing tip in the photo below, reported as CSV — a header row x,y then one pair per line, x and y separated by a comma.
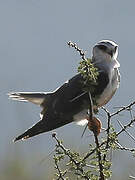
x,y
14,140
20,138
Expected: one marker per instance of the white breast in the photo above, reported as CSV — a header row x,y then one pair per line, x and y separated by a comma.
x,y
110,89
107,94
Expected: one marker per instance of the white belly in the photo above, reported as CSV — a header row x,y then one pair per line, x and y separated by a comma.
x,y
80,118
110,89
107,94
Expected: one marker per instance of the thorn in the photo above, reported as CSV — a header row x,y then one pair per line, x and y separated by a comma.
x,y
84,130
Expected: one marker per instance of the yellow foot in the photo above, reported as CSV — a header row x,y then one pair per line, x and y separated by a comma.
x,y
94,125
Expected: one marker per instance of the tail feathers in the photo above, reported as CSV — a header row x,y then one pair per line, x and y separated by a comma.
x,y
36,98
34,130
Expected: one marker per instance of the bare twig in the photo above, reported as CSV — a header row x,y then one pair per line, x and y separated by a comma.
x,y
107,130
124,148
123,109
81,52
125,126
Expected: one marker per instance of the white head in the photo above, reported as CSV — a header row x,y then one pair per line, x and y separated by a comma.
x,y
105,50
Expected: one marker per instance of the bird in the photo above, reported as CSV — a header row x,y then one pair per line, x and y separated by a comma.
x,y
70,102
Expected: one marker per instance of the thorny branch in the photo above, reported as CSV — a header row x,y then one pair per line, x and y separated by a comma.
x,y
101,145
125,148
91,119
61,175
81,52
67,153
123,109
110,141
124,128
107,130
96,140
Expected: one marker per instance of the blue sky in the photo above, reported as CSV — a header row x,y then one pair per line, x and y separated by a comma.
x,y
34,56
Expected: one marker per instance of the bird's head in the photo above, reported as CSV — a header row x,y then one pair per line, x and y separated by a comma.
x,y
105,50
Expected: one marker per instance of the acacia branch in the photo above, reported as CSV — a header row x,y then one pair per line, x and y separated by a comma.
x,y
66,152
101,149
61,175
107,130
81,52
125,127
123,109
120,147
92,123
96,139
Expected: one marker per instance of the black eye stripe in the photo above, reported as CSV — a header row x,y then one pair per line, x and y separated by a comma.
x,y
102,47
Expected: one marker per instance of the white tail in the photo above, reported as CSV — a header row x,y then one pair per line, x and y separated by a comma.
x,y
34,97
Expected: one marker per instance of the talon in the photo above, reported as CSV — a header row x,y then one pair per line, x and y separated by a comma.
x,y
95,125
